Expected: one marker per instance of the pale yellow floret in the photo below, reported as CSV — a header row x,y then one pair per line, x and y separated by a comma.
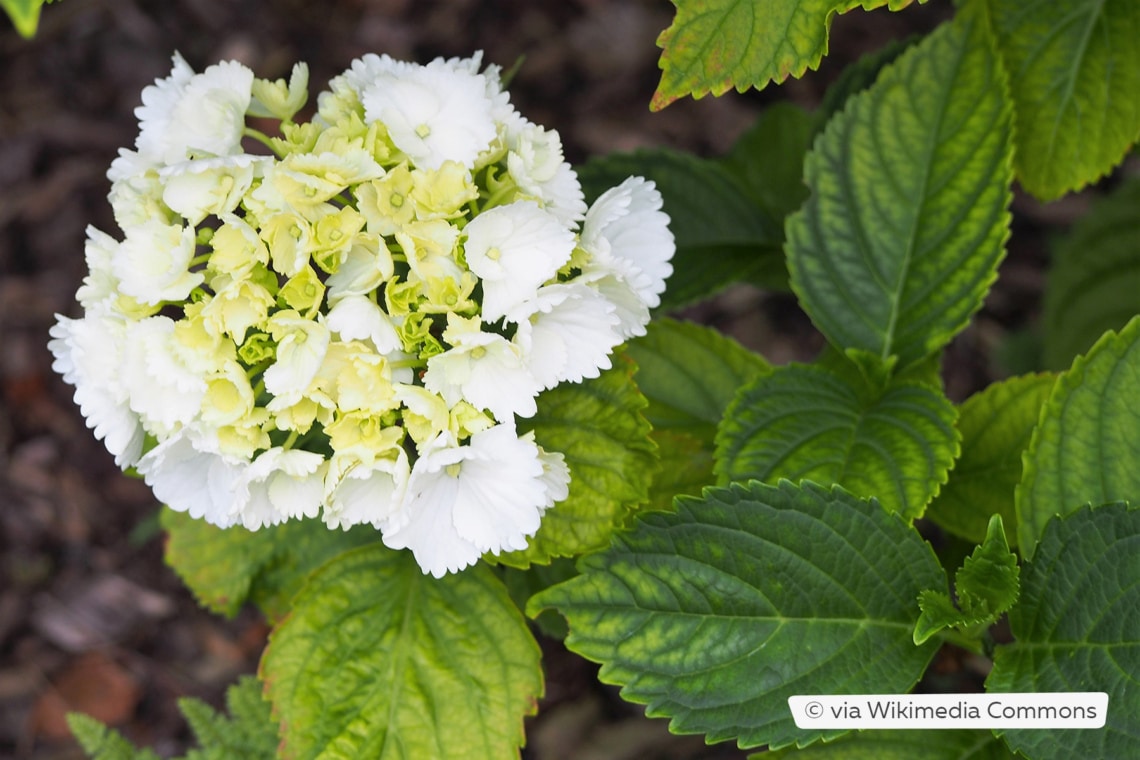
x,y
431,248
442,193
386,203
278,98
236,249
426,415
247,436
363,434
198,346
364,384
229,397
298,414
304,292
333,237
237,306
288,237
443,295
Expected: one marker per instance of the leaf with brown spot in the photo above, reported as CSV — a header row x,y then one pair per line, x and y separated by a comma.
x,y
715,45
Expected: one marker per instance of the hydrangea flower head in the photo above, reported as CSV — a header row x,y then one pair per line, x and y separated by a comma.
x,y
345,321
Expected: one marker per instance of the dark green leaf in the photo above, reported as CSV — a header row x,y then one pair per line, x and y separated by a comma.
x,y
1086,445
986,586
689,373
908,217
801,422
1093,283
769,158
714,614
996,425
1075,71
1077,628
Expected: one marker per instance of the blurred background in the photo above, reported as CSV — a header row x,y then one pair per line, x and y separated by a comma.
x,y
90,618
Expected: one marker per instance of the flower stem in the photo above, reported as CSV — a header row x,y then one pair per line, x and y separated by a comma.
x,y
262,138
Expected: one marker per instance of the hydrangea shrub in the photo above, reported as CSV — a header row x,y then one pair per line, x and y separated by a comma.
x,y
400,327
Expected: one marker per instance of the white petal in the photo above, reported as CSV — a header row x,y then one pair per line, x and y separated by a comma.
x,y
88,354
358,318
627,233
188,477
501,494
366,493
192,115
433,113
570,334
487,371
514,249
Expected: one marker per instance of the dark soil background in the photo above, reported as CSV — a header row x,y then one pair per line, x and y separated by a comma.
x,y
90,618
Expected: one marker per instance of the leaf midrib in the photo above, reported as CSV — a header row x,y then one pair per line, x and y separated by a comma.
x,y
933,145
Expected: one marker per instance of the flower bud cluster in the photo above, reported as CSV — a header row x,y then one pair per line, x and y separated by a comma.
x,y
346,319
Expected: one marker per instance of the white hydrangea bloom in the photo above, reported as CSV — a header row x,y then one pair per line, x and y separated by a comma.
x,y
88,354
349,328
628,235
484,369
190,115
568,335
433,113
153,263
464,501
514,249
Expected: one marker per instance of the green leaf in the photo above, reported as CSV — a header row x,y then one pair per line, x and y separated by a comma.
x,y
801,422
715,45
908,217
986,587
25,15
689,374
722,235
857,77
1076,630
1093,282
714,614
599,427
901,744
102,743
380,661
995,425
225,568
1075,71
1087,443
249,732
769,158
